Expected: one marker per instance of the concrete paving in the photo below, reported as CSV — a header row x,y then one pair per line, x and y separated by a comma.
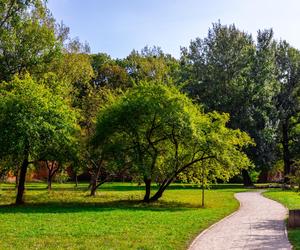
x,y
258,224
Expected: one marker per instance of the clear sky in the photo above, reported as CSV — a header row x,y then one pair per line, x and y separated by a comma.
x,y
118,26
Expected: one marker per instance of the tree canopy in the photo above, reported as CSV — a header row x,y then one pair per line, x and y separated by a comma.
x,y
32,119
164,133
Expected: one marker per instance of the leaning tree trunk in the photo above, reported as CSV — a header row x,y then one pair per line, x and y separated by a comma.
x,y
94,188
246,178
286,151
147,182
23,171
161,189
94,184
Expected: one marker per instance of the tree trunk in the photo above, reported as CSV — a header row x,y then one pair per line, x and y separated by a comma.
x,y
93,186
246,178
90,184
49,181
203,190
23,171
202,182
158,194
76,180
148,189
17,178
286,151
162,189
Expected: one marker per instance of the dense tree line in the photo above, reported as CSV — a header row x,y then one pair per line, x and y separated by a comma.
x,y
149,116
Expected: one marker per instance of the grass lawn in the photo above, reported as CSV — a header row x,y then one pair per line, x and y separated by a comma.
x,y
292,201
67,218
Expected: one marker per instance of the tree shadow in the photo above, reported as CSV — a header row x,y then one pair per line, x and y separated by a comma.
x,y
262,240
77,207
119,187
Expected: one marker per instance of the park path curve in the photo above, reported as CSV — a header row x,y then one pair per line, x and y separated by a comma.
x,y
258,224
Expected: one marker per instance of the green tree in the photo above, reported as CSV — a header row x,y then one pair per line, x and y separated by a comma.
x,y
228,73
97,161
163,133
151,64
55,155
109,73
12,10
32,117
262,124
29,39
287,100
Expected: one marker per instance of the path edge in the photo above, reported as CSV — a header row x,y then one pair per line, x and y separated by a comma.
x,y
287,213
216,223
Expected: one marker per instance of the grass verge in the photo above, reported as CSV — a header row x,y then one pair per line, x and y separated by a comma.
x,y
291,200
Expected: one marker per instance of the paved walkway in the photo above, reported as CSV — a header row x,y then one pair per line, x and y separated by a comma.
x,y
258,224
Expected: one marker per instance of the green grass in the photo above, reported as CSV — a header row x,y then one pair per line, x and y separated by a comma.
x,y
67,218
291,200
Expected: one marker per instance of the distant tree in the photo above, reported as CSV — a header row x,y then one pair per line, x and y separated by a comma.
x,y
163,133
287,100
109,72
262,124
32,117
55,155
112,75
228,73
151,64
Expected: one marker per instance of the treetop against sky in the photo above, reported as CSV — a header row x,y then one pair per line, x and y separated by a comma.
x,y
116,27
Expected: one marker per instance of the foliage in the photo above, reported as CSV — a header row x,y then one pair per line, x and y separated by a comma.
x,y
32,120
288,102
110,74
163,133
295,176
28,38
31,114
227,72
151,64
62,177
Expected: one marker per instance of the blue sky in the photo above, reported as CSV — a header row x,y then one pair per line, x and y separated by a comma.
x,y
118,26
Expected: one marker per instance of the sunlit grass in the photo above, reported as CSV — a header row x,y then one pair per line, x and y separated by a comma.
x,y
67,218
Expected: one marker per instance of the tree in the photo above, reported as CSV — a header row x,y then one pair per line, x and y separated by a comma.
x,y
151,64
31,117
97,160
109,73
11,10
164,133
29,40
55,155
287,100
228,73
262,125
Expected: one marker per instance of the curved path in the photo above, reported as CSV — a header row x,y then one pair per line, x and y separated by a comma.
x,y
258,224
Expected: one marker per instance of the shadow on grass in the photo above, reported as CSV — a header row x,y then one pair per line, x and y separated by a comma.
x,y
120,187
74,207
